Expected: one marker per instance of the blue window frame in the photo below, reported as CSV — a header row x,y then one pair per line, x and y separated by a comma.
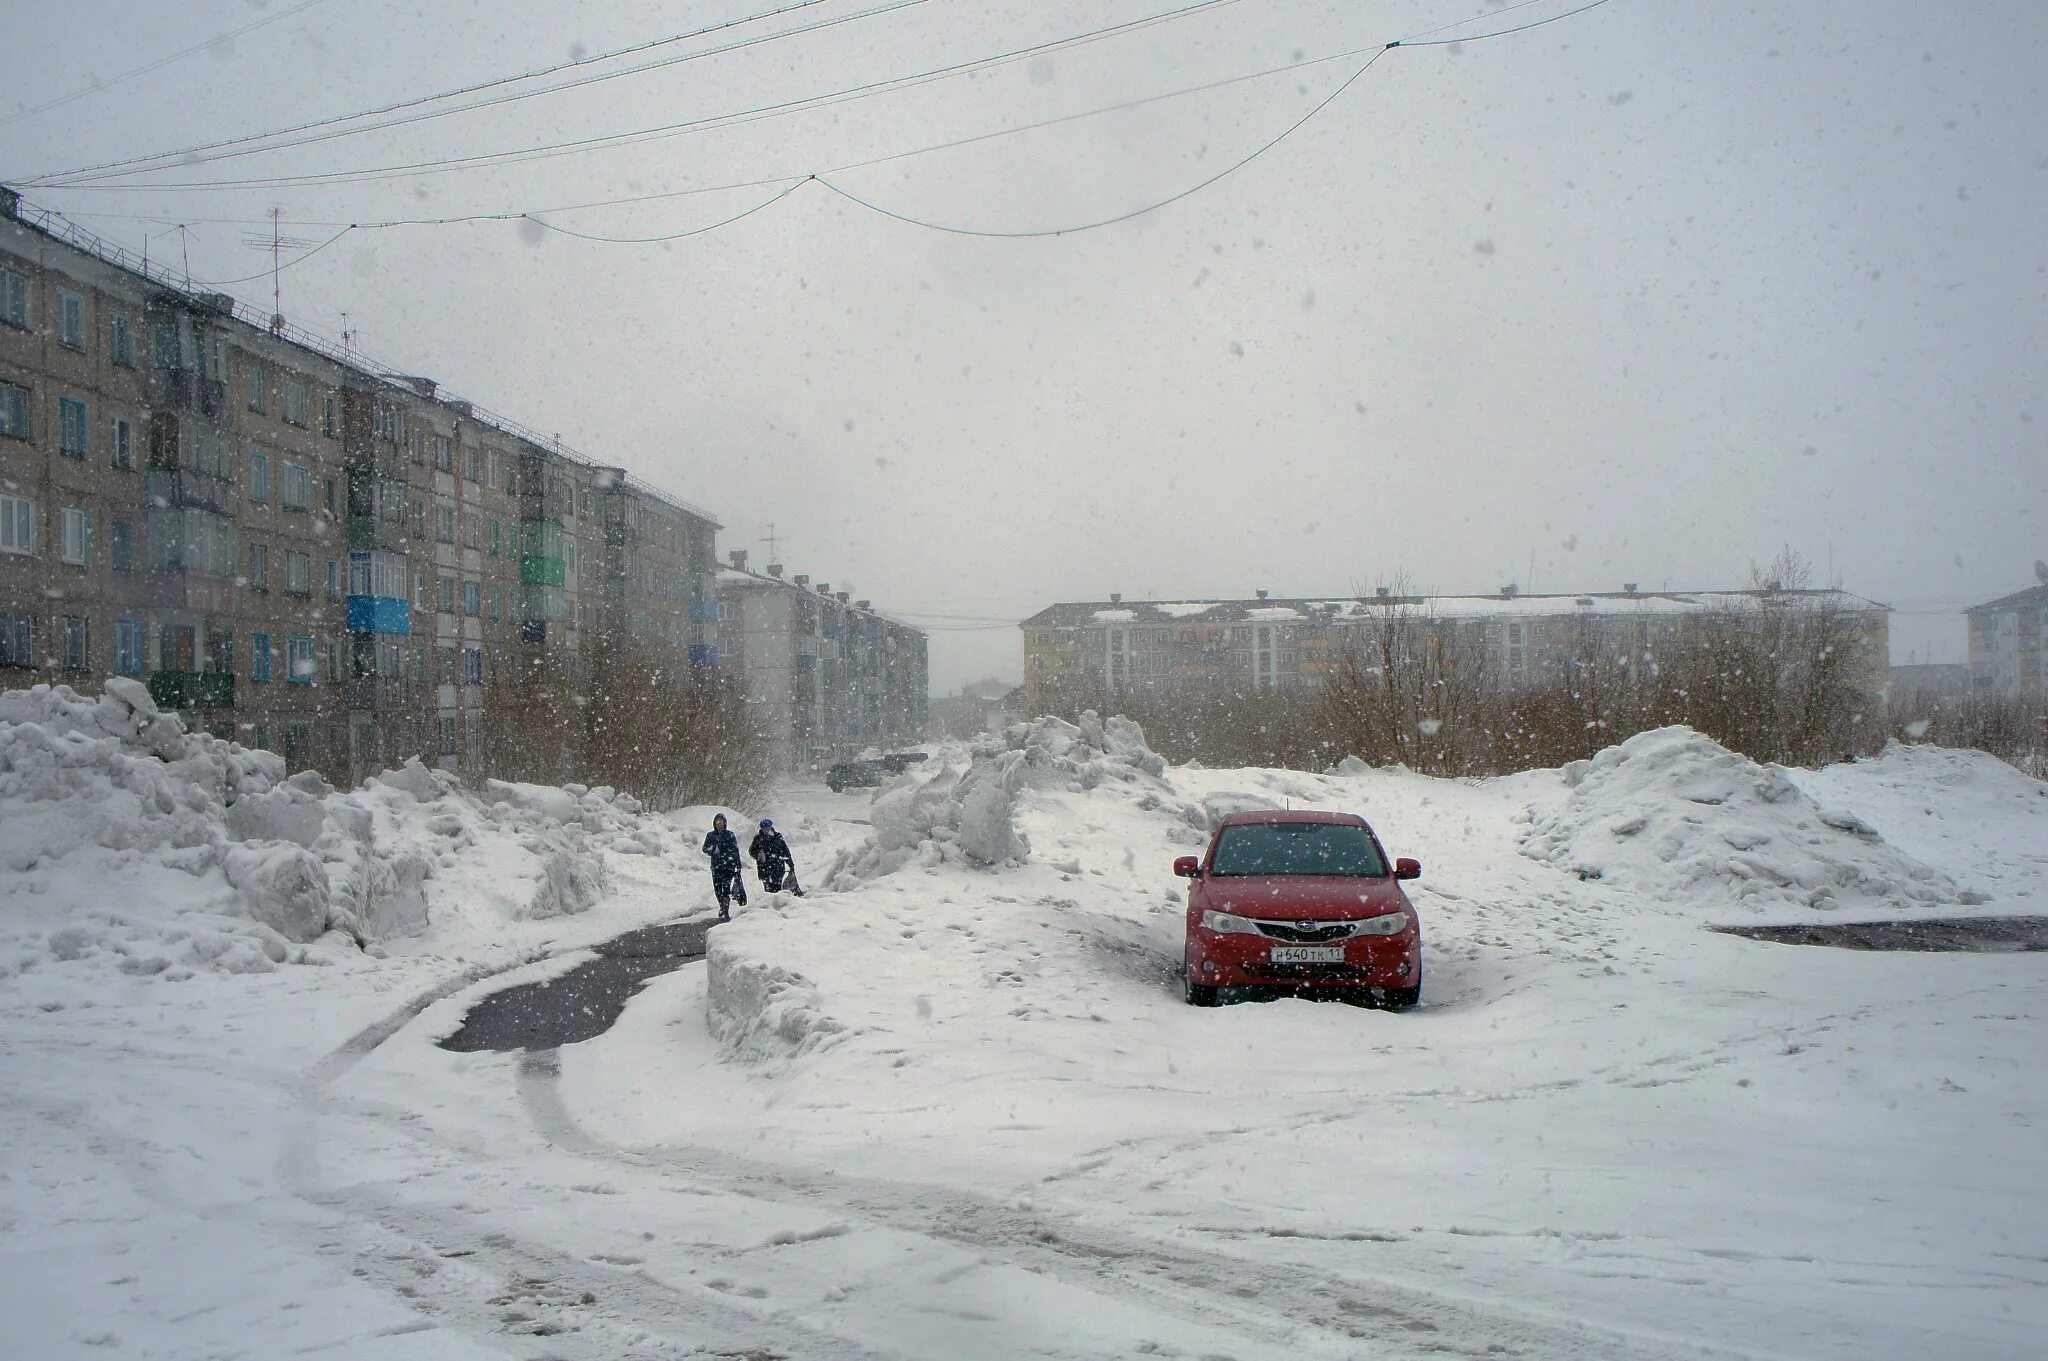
x,y
298,659
127,647
259,657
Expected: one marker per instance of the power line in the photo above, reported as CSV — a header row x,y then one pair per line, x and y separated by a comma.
x,y
606,141
158,64
285,138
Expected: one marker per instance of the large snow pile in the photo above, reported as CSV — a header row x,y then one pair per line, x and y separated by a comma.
x,y
127,841
962,809
1677,817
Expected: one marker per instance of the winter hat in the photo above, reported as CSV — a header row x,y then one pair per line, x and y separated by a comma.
x,y
766,825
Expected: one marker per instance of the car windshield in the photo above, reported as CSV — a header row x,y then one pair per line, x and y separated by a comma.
x,y
1296,848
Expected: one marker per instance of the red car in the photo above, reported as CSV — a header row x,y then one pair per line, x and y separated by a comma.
x,y
1301,901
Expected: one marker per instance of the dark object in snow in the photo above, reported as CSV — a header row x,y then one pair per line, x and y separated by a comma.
x,y
856,775
1974,935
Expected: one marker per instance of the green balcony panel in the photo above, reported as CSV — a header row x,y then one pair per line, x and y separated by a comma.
x,y
192,689
539,571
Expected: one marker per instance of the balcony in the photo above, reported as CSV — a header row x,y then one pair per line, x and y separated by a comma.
x,y
536,570
192,689
192,591
380,614
361,693
188,487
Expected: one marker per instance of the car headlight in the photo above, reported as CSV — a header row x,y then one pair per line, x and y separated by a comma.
x,y
1223,923
1391,924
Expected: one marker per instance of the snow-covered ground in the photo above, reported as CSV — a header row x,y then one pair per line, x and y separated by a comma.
x,y
951,1105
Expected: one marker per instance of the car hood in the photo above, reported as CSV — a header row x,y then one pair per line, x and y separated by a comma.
x,y
1303,897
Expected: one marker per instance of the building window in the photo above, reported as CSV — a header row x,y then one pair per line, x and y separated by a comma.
x,y
123,546
298,659
447,736
297,487
259,384
419,665
444,524
472,599
17,639
127,647
74,439
328,424
75,543
121,341
333,661
70,319
77,656
447,595
259,657
334,578
14,309
296,736
497,602
259,567
298,573
262,738
298,400
13,411
124,444
495,531
329,497
472,531
472,666
259,476
472,463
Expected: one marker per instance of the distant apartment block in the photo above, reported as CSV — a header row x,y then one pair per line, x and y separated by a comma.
x,y
290,545
1116,647
827,674
2006,636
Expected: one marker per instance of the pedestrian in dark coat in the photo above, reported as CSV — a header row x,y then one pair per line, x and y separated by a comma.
x,y
772,860
724,849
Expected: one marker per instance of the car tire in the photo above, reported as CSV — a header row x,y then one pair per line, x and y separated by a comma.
x,y
1197,994
1400,999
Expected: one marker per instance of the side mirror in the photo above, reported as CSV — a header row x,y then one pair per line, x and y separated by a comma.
x,y
1189,867
1407,867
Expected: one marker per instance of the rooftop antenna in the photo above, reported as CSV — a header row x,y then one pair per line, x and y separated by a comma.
x,y
277,243
773,541
348,337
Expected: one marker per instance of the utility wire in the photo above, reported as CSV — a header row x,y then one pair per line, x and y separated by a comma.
x,y
605,141
284,139
156,65
798,182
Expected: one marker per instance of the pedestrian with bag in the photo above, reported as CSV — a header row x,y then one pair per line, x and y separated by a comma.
x,y
772,860
726,881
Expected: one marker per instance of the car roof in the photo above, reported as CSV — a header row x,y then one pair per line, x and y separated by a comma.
x,y
1291,815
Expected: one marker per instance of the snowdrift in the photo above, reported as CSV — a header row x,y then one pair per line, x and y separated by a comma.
x,y
1678,818
129,842
963,808
973,893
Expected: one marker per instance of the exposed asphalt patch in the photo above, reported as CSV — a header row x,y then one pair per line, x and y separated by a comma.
x,y
1979,935
584,1002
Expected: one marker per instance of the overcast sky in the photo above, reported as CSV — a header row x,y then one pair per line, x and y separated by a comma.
x,y
1638,295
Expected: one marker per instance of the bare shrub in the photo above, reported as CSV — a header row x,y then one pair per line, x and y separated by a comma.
x,y
2013,728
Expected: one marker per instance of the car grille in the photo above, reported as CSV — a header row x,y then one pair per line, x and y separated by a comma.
x,y
1310,934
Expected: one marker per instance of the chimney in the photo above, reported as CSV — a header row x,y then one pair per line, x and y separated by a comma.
x,y
739,559
843,596
460,407
803,580
1629,586
867,605
1116,597
1383,592
775,570
1261,593
824,588
1508,591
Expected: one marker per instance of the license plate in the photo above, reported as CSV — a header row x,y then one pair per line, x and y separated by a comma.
x,y
1308,954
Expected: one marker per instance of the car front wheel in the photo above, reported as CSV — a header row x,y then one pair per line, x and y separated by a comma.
x,y
1400,999
1197,994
